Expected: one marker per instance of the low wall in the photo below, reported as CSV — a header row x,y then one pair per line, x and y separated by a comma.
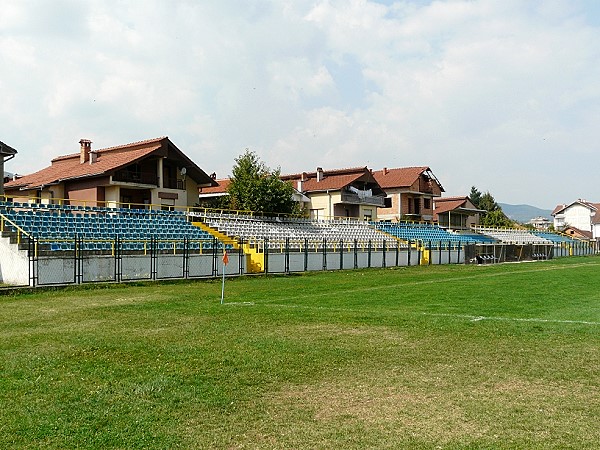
x,y
97,268
14,264
314,261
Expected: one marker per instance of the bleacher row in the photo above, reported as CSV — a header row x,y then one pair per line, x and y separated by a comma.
x,y
479,235
429,233
296,232
97,227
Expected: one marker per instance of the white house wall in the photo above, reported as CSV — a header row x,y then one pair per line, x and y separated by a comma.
x,y
577,216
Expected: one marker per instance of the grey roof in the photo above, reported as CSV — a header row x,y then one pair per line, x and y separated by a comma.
x,y
6,149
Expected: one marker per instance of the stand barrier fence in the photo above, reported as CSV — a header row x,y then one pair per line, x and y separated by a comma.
x,y
90,261
80,261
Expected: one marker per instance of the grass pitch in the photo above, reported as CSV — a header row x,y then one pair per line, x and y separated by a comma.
x,y
504,356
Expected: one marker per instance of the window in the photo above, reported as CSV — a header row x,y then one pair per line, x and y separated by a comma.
x,y
387,202
427,203
417,206
314,214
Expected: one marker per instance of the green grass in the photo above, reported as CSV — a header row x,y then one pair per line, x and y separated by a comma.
x,y
504,356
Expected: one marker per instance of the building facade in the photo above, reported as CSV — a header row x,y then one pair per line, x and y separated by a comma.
x,y
457,213
151,172
410,193
578,218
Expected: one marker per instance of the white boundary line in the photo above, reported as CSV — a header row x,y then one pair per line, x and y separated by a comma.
x,y
445,280
511,319
472,318
469,317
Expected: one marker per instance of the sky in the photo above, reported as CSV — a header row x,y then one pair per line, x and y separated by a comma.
x,y
503,95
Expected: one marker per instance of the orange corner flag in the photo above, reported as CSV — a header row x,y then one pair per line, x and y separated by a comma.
x,y
225,257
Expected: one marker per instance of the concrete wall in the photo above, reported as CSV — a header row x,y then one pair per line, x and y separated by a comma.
x,y
14,264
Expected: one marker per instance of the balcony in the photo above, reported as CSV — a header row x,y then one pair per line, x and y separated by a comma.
x,y
174,184
127,176
351,197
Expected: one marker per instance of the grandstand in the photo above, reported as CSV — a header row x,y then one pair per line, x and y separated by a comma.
x,y
553,237
512,235
429,233
295,232
55,227
57,243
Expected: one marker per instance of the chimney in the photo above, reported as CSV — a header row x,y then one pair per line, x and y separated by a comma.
x,y
93,157
301,181
319,174
86,148
385,170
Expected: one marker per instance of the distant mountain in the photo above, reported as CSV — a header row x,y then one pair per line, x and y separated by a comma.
x,y
524,213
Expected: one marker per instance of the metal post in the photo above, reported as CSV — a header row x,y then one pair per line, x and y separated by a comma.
x,y
266,253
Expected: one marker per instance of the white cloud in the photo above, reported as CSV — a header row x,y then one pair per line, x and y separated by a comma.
x,y
472,89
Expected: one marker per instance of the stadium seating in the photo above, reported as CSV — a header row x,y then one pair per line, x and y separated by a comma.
x,y
58,225
428,233
512,235
296,232
553,237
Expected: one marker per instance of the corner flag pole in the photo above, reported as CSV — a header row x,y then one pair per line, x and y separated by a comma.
x,y
225,262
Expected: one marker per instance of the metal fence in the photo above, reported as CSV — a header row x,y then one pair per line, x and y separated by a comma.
x,y
290,256
90,261
80,261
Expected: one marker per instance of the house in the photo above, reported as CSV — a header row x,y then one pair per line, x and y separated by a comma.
x,y
410,193
578,216
147,172
540,223
456,212
576,233
339,193
209,196
6,153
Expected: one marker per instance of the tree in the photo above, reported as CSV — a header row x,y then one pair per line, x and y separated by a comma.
x,y
475,196
494,216
488,203
255,187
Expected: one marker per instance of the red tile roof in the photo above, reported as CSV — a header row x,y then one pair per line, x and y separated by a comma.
x,y
332,179
572,231
108,160
589,205
445,204
221,188
69,166
399,177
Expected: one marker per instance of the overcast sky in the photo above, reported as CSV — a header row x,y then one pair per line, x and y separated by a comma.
x,y
500,94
